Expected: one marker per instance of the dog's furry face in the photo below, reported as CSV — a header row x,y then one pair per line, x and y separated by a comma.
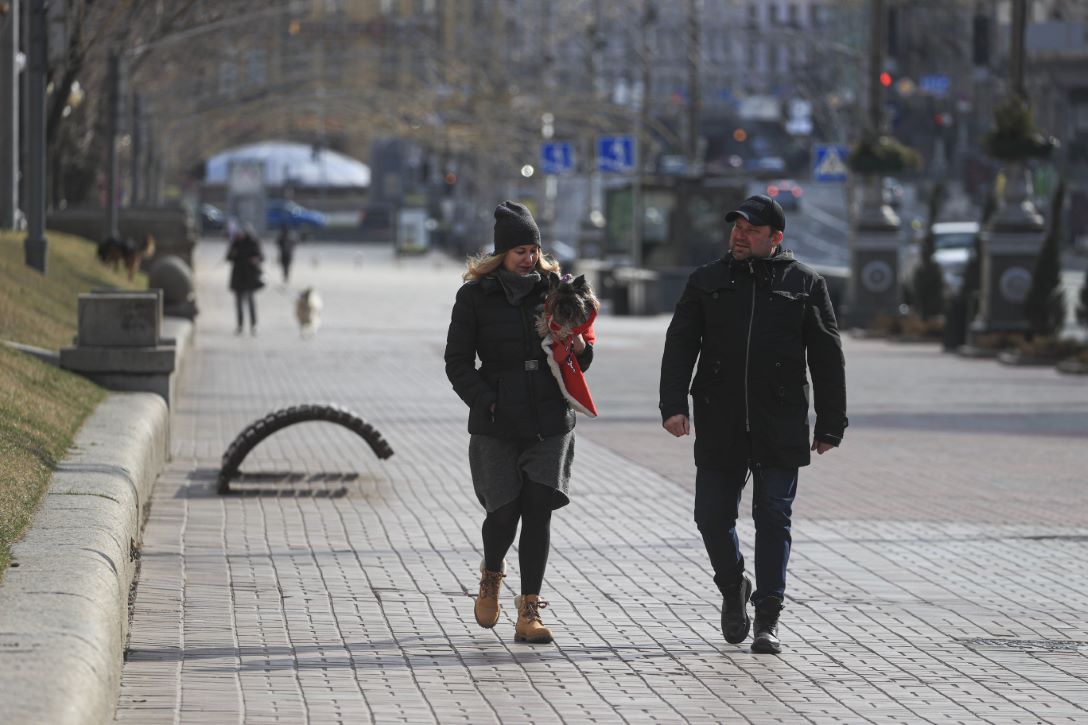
x,y
570,302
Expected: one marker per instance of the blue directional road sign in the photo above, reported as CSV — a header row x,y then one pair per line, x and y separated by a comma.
x,y
829,162
556,157
615,154
936,85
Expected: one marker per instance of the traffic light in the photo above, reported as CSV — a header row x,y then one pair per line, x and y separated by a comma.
x,y
885,79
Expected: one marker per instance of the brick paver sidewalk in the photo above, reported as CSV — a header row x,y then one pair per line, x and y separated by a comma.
x,y
940,568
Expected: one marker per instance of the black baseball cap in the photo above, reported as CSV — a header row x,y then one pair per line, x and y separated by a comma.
x,y
761,210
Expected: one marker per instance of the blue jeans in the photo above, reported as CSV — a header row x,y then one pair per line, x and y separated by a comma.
x,y
717,504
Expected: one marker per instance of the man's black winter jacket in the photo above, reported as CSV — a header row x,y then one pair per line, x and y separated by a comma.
x,y
753,325
513,372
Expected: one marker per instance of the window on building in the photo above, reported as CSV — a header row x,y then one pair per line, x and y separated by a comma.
x,y
228,77
387,7
796,55
773,12
794,15
816,15
256,68
753,14
336,60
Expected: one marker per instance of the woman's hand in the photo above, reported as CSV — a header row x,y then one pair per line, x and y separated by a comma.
x,y
576,341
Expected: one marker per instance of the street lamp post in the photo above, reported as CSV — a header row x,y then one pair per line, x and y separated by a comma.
x,y
134,196
876,62
1013,237
9,118
35,246
874,247
114,99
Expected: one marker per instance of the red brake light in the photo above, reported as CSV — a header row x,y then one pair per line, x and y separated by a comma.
x,y
772,190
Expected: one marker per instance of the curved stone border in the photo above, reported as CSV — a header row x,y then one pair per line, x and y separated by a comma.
x,y
64,601
277,420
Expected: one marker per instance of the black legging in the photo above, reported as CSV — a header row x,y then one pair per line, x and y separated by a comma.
x,y
242,297
534,508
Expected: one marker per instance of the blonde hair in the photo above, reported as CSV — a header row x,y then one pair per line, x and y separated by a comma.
x,y
480,265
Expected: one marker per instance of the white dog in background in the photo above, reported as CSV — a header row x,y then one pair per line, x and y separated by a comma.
x,y
308,312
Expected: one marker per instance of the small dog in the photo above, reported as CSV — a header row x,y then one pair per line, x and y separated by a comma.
x,y
570,307
113,253
569,304
308,312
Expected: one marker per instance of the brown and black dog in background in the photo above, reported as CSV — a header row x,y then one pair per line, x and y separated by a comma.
x,y
113,253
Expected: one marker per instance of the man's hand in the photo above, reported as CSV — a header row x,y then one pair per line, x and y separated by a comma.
x,y
678,425
820,447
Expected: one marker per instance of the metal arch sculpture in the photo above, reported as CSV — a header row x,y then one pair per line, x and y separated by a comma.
x,y
277,420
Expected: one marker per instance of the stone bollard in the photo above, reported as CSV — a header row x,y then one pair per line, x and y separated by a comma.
x,y
119,343
874,261
1010,244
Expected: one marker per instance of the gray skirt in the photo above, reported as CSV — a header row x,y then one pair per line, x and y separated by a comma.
x,y
500,465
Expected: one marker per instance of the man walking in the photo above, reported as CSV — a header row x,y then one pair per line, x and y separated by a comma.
x,y
752,319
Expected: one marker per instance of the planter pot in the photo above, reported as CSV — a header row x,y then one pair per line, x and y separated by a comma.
x,y
1012,357
1073,367
981,353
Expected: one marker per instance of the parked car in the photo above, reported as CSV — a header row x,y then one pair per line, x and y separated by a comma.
x,y
954,243
786,192
212,219
280,212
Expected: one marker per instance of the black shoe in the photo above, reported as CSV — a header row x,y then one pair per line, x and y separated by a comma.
x,y
766,639
735,620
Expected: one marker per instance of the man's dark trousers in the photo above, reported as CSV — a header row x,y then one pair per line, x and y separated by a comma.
x,y
717,505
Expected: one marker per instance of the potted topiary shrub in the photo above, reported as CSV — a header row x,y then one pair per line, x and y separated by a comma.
x,y
1015,141
1014,137
872,157
878,156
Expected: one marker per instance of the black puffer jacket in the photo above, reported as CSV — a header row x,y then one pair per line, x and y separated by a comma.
x,y
245,255
513,372
753,325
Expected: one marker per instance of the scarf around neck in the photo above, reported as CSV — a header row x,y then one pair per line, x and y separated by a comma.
x,y
515,286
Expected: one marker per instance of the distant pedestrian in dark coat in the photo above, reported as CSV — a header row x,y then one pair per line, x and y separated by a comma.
x,y
753,319
522,443
286,241
245,257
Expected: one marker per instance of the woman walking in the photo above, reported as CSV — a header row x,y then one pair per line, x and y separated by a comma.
x,y
245,257
522,428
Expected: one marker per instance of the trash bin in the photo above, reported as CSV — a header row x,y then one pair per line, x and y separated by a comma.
x,y
670,286
635,291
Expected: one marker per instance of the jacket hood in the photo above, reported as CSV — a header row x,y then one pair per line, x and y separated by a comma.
x,y
763,269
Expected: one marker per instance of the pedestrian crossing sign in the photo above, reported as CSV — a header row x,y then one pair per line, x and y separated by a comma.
x,y
829,162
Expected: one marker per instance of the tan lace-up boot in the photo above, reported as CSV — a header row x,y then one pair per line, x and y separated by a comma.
x,y
529,627
487,604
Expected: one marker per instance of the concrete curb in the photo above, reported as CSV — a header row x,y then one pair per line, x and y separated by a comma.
x,y
64,601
